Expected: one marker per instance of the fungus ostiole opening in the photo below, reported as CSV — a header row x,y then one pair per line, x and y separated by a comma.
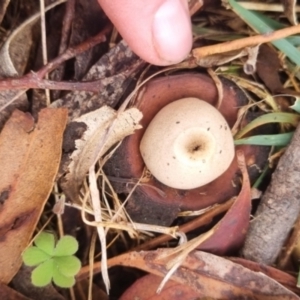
x,y
194,145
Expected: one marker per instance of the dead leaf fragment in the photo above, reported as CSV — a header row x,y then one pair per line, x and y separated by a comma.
x,y
209,275
145,289
229,234
29,157
8,293
105,127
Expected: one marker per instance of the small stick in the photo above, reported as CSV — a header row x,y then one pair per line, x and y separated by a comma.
x,y
278,209
245,42
34,79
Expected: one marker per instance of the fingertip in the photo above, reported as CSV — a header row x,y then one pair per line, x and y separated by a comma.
x,y
159,31
171,32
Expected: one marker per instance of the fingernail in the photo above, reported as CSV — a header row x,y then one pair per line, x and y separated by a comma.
x,y
171,31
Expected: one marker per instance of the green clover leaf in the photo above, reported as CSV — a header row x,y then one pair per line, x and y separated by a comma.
x,y
67,265
62,280
54,262
46,242
67,245
33,256
42,275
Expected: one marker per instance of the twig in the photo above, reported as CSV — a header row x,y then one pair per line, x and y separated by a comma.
x,y
73,51
58,74
278,209
67,26
44,44
34,79
245,42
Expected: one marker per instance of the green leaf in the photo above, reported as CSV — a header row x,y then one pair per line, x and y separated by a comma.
x,y
67,265
67,245
280,139
277,117
61,280
42,275
46,242
33,256
296,105
259,25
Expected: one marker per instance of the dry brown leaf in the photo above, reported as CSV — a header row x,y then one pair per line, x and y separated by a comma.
x,y
209,275
7,293
220,59
22,284
230,232
268,67
145,289
96,140
29,157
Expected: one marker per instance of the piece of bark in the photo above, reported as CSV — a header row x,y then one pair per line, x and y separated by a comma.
x,y
278,209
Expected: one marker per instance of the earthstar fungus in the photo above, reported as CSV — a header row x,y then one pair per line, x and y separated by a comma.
x,y
187,144
152,201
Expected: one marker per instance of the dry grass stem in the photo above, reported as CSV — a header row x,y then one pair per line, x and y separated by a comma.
x,y
245,42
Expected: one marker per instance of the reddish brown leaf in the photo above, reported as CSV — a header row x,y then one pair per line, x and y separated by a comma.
x,y
268,66
229,234
145,289
29,158
283,278
209,275
7,293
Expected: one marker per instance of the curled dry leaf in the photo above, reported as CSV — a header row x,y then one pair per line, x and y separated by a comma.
x,y
229,234
105,127
209,275
30,170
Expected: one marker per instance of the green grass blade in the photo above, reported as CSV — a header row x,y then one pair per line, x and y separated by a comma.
x,y
276,117
281,139
259,25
